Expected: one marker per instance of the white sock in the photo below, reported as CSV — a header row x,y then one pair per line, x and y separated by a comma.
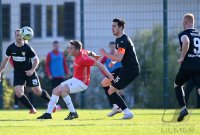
x,y
69,103
126,111
53,100
115,106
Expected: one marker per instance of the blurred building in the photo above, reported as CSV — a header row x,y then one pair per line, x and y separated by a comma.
x,y
60,20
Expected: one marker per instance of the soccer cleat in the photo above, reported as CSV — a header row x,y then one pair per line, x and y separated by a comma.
x,y
54,109
182,114
128,116
45,116
72,115
33,111
114,111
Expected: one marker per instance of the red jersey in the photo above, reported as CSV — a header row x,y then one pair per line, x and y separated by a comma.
x,y
82,64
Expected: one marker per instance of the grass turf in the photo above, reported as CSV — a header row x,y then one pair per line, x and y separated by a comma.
x,y
90,122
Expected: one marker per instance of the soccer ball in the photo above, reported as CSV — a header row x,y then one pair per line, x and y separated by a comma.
x,y
26,32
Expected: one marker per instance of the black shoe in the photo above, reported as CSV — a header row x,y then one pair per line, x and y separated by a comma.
x,y
45,116
182,114
72,115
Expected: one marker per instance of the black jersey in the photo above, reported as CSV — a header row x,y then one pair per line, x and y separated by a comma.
x,y
129,60
193,55
21,56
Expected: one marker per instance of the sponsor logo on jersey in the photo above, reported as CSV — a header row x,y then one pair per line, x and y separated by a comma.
x,y
18,58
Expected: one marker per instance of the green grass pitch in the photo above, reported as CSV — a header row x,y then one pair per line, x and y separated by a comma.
x,y
95,122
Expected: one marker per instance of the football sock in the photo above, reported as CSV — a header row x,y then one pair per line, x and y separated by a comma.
x,y
45,95
26,102
111,100
16,99
119,101
180,96
69,103
52,103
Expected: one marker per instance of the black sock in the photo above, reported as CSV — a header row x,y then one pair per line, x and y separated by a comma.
x,y
15,99
119,101
30,96
26,102
109,97
180,96
45,95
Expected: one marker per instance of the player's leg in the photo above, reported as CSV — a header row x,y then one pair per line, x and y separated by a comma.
x,y
105,83
52,103
33,82
181,78
19,91
72,85
18,82
120,82
188,89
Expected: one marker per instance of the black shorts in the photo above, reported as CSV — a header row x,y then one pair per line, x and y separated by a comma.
x,y
123,77
20,78
185,74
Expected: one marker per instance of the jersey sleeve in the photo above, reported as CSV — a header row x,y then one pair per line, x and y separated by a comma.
x,y
31,53
122,47
88,62
8,51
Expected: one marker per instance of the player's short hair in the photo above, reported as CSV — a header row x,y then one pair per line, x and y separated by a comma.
x,y
17,30
77,44
55,42
120,22
112,43
189,17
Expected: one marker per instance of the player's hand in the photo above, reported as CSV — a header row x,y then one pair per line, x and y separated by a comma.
x,y
98,57
102,51
29,72
180,60
111,77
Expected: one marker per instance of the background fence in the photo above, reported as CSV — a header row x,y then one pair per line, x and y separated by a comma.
x,y
90,21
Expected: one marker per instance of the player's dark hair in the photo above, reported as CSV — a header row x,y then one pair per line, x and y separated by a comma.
x,y
120,22
55,42
112,43
77,44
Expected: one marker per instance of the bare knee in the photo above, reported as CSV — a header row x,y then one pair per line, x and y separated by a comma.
x,y
105,82
19,92
37,91
112,90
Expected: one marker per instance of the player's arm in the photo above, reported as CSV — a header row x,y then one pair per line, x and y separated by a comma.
x,y
185,47
94,55
117,57
102,68
3,65
35,61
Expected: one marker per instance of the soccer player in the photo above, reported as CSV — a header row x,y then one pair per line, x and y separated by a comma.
x,y
24,70
189,61
111,67
125,75
79,82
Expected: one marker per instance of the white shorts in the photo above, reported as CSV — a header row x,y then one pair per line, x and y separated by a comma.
x,y
75,85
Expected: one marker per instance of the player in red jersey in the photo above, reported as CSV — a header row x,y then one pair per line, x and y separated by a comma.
x,y
79,82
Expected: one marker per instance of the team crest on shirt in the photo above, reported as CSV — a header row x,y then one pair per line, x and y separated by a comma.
x,y
23,53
